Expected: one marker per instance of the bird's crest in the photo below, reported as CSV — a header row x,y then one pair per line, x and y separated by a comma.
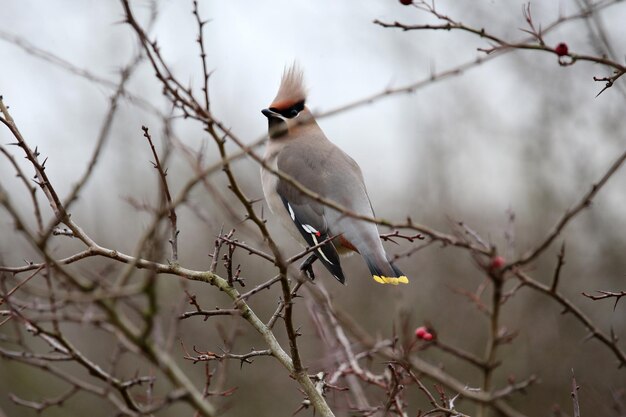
x,y
291,90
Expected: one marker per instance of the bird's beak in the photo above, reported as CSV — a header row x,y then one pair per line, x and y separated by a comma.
x,y
270,114
277,125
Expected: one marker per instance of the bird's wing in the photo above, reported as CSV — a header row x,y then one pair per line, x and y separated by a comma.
x,y
304,218
308,215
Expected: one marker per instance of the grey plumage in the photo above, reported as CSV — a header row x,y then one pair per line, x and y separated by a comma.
x,y
299,148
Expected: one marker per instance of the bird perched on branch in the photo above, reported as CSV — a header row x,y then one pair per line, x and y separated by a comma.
x,y
299,149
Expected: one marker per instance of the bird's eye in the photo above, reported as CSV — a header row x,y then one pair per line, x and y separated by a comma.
x,y
294,110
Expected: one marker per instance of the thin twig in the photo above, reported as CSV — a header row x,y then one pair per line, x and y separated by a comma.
x,y
574,394
167,195
569,215
557,271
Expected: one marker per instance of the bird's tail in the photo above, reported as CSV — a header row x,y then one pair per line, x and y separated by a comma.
x,y
385,272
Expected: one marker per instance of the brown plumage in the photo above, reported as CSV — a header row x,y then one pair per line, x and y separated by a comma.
x,y
291,88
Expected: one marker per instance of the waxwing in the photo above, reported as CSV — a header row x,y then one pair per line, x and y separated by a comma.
x,y
298,148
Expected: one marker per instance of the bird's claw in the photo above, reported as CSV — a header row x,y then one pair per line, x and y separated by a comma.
x,y
307,267
308,270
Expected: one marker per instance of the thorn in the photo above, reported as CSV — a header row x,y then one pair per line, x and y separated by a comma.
x,y
589,336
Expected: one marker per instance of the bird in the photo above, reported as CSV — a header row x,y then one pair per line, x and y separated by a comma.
x,y
298,148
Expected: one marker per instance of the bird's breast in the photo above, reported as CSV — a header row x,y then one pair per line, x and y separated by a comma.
x,y
273,200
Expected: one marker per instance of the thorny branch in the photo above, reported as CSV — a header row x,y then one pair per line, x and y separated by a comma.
x,y
569,307
534,42
128,311
167,195
602,295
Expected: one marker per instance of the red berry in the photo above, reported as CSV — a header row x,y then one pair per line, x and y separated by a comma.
x,y
406,2
561,49
428,337
497,262
420,332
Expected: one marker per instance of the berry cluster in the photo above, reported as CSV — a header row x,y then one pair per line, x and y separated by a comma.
x,y
424,333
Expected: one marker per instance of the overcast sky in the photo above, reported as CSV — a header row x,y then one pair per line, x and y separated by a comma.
x,y
474,130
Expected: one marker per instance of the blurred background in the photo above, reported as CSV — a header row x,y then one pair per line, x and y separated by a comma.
x,y
516,134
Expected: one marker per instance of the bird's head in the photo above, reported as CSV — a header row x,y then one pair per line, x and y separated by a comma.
x,y
288,107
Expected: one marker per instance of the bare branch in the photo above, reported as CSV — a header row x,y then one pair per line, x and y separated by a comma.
x,y
569,307
607,294
167,195
574,394
569,215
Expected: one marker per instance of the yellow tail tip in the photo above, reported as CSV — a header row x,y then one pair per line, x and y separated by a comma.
x,y
391,280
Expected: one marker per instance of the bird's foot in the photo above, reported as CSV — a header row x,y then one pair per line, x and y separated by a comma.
x,y
307,267
308,271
